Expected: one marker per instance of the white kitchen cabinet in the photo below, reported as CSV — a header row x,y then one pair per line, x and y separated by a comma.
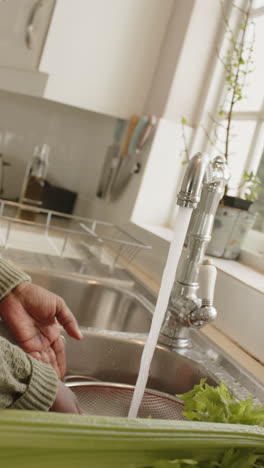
x,y
101,55
23,28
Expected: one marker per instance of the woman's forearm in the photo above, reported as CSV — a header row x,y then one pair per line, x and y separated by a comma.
x,y
10,277
25,383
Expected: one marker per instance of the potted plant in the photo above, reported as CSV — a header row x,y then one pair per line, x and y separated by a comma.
x,y
235,215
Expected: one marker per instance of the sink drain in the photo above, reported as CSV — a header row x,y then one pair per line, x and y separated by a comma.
x,y
114,399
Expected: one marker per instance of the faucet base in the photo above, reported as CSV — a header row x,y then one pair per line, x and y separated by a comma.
x,y
176,342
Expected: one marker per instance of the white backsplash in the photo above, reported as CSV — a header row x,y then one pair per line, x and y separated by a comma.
x,y
78,140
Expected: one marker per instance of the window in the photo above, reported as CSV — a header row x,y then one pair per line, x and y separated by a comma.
x,y
250,112
259,226
247,146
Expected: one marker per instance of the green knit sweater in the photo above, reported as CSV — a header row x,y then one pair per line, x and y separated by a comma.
x,y
25,383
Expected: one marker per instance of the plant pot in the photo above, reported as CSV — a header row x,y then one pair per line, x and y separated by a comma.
x,y
231,225
236,202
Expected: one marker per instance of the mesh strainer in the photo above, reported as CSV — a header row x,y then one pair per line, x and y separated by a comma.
x,y
113,399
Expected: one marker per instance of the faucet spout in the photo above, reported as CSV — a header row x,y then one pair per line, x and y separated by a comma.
x,y
196,172
202,188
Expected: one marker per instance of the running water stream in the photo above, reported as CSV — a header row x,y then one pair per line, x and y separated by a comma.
x,y
182,222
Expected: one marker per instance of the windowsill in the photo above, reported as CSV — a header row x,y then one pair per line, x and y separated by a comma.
x,y
242,272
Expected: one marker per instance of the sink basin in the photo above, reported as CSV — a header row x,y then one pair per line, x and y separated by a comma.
x,y
99,303
114,320
115,317
115,357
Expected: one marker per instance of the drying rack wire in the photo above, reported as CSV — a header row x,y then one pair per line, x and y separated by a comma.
x,y
45,231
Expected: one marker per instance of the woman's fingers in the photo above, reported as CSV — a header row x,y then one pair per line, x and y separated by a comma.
x,y
67,319
59,351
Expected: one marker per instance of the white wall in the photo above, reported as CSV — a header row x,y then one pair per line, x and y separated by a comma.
x,y
163,174
78,140
149,197
120,209
240,311
189,49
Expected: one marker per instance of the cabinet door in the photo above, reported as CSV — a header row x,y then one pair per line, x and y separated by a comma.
x,y
101,54
23,28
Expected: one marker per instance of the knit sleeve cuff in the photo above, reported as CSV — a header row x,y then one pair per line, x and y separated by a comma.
x,y
10,277
42,388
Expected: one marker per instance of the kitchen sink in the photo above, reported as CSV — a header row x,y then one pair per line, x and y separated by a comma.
x,y
115,357
99,303
115,316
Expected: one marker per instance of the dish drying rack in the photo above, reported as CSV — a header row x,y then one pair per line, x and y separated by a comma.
x,y
66,236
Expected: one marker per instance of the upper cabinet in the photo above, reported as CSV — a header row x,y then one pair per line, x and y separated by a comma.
x,y
101,55
23,28
116,57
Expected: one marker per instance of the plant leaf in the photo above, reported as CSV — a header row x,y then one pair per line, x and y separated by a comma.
x,y
216,404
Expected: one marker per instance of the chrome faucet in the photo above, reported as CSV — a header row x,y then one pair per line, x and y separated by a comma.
x,y
191,299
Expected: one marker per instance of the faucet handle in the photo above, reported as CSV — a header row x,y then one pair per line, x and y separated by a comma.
x,y
206,313
207,279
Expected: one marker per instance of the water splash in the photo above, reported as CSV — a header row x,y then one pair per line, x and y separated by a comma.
x,y
182,222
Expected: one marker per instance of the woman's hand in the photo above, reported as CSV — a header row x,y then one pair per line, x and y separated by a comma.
x,y
34,316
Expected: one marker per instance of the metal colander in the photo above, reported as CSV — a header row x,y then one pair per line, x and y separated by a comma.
x,y
113,399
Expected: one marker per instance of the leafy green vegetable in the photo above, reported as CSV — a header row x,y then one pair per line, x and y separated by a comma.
x,y
30,438
240,459
216,404
231,459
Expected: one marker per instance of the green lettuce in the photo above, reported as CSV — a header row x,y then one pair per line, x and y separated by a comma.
x,y
217,404
231,459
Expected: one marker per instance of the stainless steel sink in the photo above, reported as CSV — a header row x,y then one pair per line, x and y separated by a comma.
x,y
115,317
99,303
102,306
115,357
